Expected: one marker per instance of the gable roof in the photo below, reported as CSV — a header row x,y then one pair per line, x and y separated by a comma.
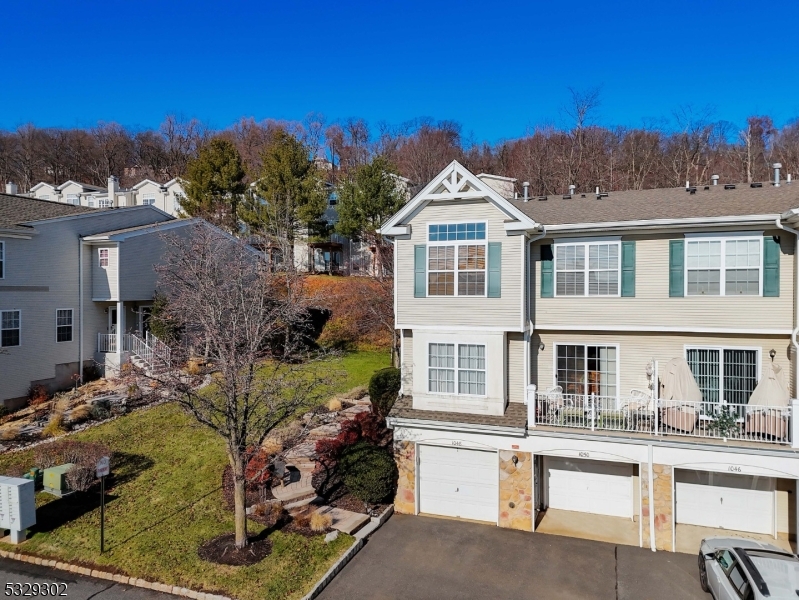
x,y
120,235
42,184
663,204
456,182
85,186
144,182
16,210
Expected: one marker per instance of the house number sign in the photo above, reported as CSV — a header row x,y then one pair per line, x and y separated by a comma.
x,y
735,469
583,454
457,443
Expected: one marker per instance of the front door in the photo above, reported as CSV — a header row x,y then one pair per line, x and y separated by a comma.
x,y
112,320
145,312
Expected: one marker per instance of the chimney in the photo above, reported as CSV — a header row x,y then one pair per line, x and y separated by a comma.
x,y
777,167
113,187
715,179
572,187
526,186
11,188
597,191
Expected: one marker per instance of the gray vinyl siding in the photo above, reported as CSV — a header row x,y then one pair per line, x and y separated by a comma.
x,y
637,349
515,367
138,256
407,361
652,305
469,311
105,280
47,264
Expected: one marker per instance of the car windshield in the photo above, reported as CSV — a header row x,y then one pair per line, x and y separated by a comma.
x,y
779,571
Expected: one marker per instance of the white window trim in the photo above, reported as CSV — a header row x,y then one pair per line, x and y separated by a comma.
x,y
585,345
71,326
721,349
586,243
100,257
456,244
3,260
723,238
105,203
455,368
148,199
19,310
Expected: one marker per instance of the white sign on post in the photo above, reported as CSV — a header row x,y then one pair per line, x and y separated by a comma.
x,y
103,467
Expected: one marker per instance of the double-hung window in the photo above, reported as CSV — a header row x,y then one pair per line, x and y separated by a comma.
x,y
106,203
103,257
456,259
729,266
63,325
587,268
148,199
465,376
2,260
73,199
91,201
10,328
727,375
587,370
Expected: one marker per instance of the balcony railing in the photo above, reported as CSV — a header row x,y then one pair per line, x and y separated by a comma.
x,y
151,350
765,424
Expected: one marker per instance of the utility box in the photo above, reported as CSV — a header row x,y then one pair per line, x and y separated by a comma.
x,y
17,506
55,479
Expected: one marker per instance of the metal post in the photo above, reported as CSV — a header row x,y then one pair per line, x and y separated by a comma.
x,y
592,410
102,515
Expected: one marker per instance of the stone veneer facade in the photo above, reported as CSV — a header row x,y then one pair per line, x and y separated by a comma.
x,y
662,482
516,490
405,456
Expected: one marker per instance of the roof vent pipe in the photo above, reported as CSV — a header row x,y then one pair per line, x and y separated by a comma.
x,y
687,184
715,179
597,191
526,186
777,167
572,187
788,179
11,188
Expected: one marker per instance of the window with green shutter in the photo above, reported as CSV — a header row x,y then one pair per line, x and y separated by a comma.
x,y
628,269
771,266
676,268
547,272
419,271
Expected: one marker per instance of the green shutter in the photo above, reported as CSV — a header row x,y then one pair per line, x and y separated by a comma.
x,y
628,269
494,269
771,266
547,273
676,268
419,271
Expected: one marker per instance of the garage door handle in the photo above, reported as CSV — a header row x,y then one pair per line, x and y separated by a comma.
x,y
457,489
722,500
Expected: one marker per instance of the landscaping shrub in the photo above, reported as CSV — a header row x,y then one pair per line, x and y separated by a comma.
x,y
70,451
302,520
334,405
38,394
258,476
369,472
10,432
320,522
80,414
100,411
91,373
356,393
81,477
55,426
384,386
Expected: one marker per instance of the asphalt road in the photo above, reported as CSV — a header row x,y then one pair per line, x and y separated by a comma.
x,y
78,587
413,558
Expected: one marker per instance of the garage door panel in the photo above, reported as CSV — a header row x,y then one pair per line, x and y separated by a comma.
x,y
595,487
458,482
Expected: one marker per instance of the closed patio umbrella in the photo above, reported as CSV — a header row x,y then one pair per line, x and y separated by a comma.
x,y
678,382
770,390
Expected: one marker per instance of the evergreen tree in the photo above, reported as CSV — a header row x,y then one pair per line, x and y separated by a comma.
x,y
215,185
289,198
367,200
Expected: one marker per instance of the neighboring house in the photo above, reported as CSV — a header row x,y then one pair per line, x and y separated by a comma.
x,y
76,284
165,196
537,337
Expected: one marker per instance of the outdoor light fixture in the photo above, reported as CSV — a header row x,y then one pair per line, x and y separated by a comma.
x,y
772,353
515,460
650,369
541,346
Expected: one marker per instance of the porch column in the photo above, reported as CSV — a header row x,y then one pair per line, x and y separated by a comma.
x,y
120,331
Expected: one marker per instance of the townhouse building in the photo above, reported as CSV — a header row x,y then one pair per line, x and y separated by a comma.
x,y
164,196
619,366
76,290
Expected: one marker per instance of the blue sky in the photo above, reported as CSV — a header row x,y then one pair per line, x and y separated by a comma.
x,y
498,68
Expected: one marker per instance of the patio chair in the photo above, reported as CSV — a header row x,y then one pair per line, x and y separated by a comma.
x,y
639,408
553,402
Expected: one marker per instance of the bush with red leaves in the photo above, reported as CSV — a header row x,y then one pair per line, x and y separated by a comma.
x,y
258,474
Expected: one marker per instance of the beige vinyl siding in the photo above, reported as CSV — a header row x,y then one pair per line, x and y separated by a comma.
x,y
515,367
637,349
652,305
469,311
407,361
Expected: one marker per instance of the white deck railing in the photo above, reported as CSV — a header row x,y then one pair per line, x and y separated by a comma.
x,y
663,417
151,350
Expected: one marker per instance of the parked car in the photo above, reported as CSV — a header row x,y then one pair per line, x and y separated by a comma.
x,y
742,569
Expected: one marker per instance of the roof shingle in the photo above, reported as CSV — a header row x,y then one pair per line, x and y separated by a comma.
x,y
16,210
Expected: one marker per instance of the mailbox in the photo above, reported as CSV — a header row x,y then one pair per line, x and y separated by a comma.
x,y
17,506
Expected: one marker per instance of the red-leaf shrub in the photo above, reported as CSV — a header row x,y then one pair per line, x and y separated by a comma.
x,y
258,476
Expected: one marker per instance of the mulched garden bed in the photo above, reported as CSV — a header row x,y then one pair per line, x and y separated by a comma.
x,y
344,500
222,550
293,527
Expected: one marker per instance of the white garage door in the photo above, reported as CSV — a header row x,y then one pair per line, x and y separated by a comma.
x,y
602,488
719,500
457,482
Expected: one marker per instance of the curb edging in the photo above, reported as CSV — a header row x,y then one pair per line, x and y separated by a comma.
x,y
115,577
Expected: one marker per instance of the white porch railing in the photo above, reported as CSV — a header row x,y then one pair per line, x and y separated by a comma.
x,y
714,420
151,350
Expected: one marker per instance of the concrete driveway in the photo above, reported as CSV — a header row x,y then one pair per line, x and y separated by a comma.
x,y
423,557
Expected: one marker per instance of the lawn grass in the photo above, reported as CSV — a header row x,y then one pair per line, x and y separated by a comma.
x,y
167,501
